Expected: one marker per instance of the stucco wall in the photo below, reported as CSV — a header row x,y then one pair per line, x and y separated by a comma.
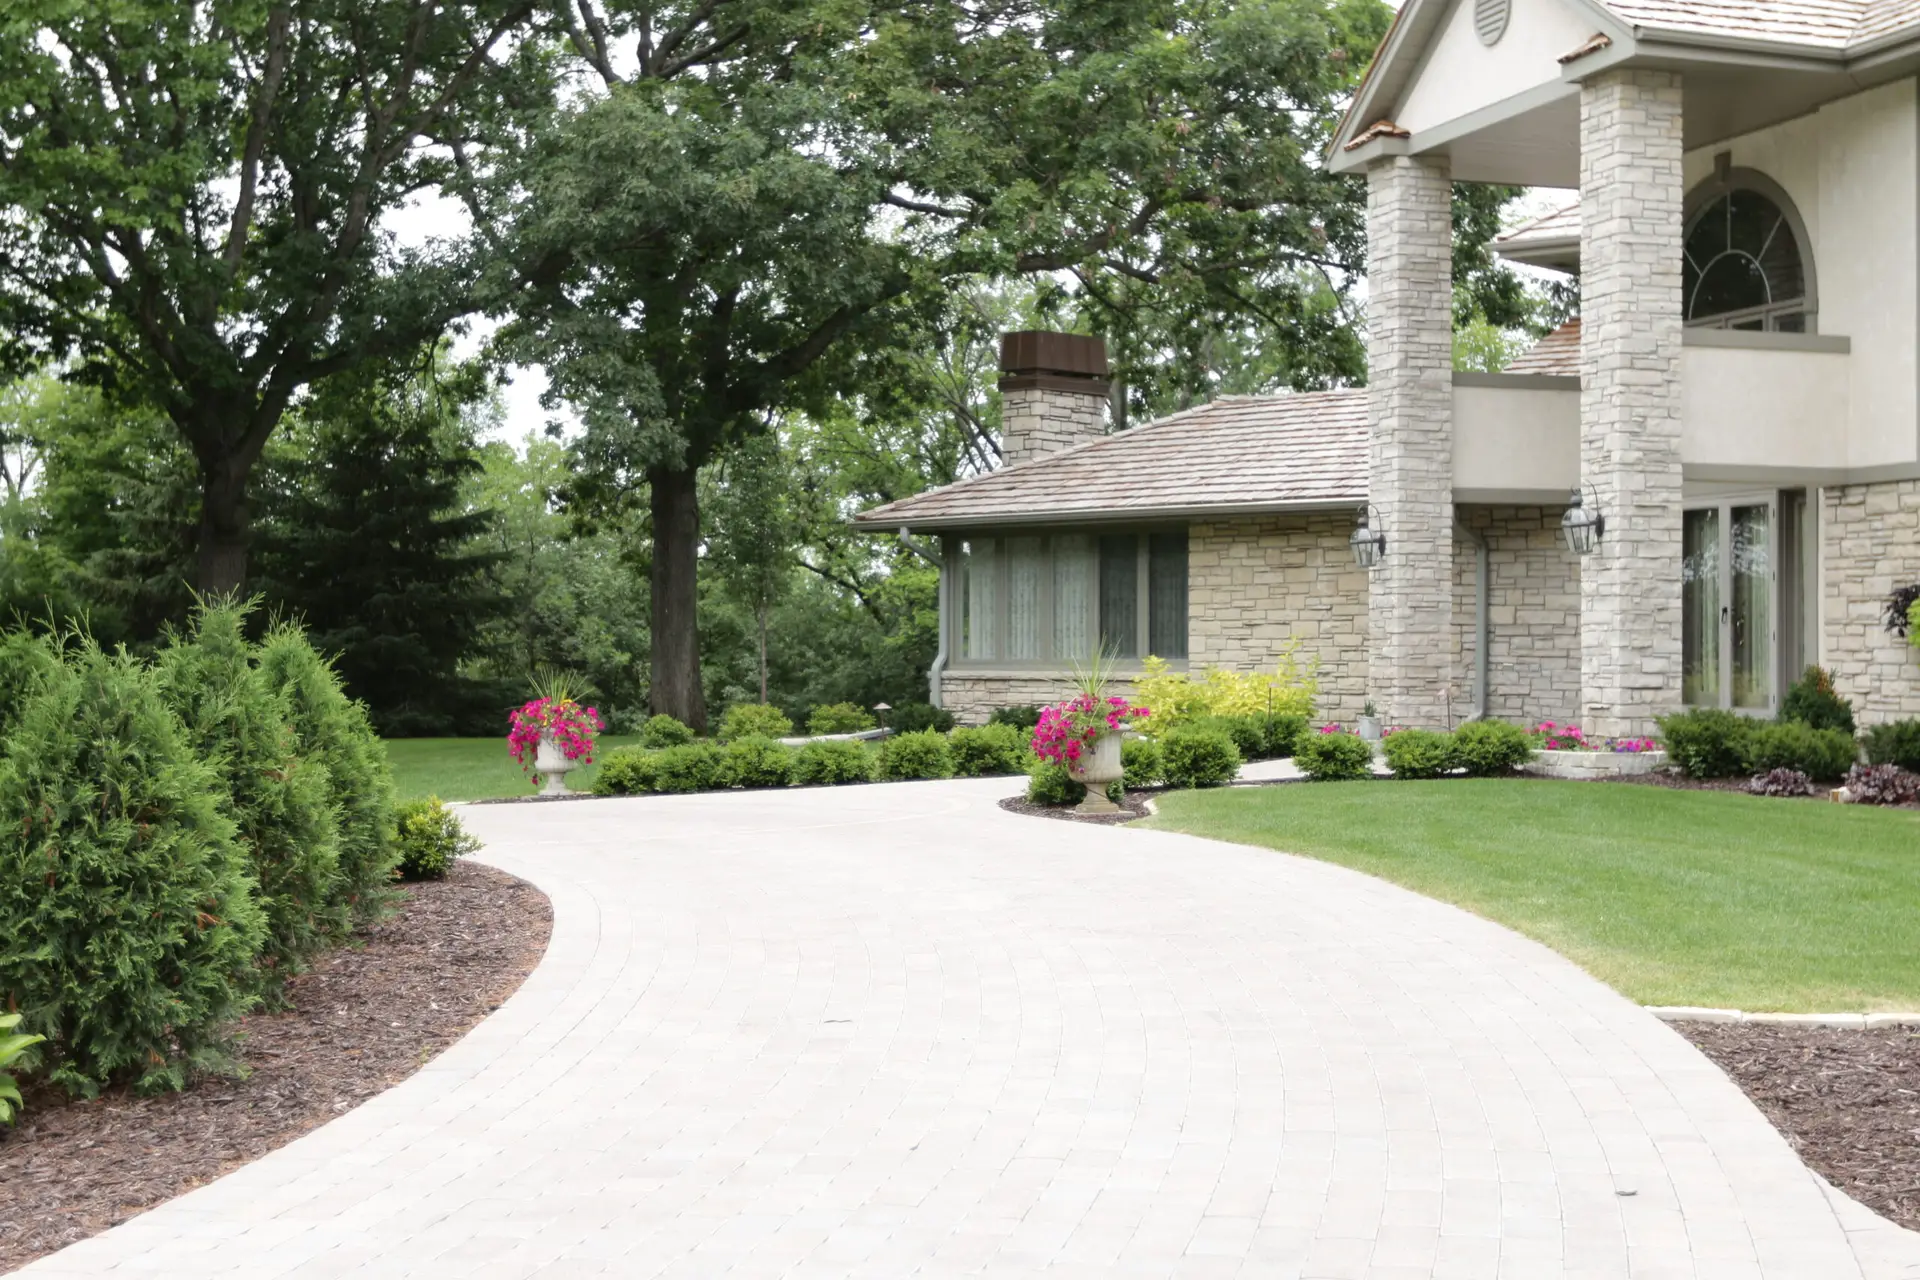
x,y
1462,75
1869,544
1254,585
1853,169
1533,615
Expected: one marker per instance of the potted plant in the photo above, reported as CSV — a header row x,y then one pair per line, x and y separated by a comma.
x,y
553,734
1084,733
1369,729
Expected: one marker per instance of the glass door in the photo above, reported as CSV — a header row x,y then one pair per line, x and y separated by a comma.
x,y
1728,606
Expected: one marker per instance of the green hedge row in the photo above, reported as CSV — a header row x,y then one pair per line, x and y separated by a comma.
x,y
1709,743
181,836
760,761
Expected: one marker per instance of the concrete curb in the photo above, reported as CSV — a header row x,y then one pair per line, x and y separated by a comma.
x,y
1841,1021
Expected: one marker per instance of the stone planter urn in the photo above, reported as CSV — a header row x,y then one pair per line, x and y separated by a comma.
x,y
1096,771
551,763
1369,729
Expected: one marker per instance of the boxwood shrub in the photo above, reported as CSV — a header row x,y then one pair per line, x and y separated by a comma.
x,y
1050,784
754,720
758,761
661,732
1247,733
839,717
1283,735
915,717
1023,717
1708,743
625,771
832,764
1333,757
988,751
908,757
128,921
1141,759
1194,755
430,838
1895,743
1421,753
1824,755
1491,748
695,766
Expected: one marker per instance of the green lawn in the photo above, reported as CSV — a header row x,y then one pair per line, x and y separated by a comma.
x,y
473,768
1673,897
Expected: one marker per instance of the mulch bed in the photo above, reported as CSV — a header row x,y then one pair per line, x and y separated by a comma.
x,y
364,1019
1133,806
1848,1101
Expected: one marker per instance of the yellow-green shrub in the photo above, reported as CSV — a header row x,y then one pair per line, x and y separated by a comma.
x,y
1176,697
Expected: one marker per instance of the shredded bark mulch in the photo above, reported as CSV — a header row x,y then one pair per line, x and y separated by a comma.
x,y
1848,1101
1133,806
363,1019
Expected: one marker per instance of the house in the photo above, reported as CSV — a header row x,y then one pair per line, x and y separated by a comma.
x,y
1709,482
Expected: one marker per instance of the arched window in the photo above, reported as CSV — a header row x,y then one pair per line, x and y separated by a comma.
x,y
1745,265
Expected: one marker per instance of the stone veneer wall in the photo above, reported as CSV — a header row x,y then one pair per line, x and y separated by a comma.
x,y
1869,544
1254,585
1533,615
972,698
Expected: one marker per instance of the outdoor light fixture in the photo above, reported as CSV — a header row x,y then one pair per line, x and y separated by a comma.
x,y
1583,526
1368,542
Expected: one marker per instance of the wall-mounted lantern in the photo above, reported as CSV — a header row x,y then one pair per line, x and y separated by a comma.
x,y
1583,526
1369,542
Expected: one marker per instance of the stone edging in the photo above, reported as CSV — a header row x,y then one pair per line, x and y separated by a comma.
x,y
1844,1021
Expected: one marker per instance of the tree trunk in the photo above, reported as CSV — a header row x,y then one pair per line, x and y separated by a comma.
x,y
222,547
763,653
676,567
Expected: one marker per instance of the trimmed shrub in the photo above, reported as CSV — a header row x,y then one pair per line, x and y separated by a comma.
x,y
918,717
1248,733
334,729
1821,754
992,750
661,732
625,771
1283,735
692,766
1197,756
128,923
1708,743
1882,784
1812,701
1141,759
1421,753
1781,782
1895,743
281,798
1491,748
430,838
754,720
1334,757
839,717
758,762
832,764
1021,717
907,757
1050,784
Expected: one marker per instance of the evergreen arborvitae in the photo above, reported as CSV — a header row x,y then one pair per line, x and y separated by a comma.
x,y
25,662
332,728
128,923
281,798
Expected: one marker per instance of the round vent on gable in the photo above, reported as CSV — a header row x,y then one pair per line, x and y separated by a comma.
x,y
1490,19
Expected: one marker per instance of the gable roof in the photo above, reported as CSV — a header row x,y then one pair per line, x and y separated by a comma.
x,y
1551,240
1557,354
1235,455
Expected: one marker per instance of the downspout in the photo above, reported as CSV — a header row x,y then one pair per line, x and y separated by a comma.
x,y
1482,578
939,668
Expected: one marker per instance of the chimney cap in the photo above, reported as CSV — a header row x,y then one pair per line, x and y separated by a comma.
x,y
1038,351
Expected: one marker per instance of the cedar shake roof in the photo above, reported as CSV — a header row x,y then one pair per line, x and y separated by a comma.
x,y
1236,455
1841,26
1557,354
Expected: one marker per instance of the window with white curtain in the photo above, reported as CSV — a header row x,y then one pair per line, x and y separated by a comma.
x,y
1049,599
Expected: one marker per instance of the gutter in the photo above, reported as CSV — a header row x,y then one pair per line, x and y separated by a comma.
x,y
937,671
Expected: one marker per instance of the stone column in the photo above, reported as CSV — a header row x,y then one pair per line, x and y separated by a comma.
x,y
1631,189
1410,476
1053,393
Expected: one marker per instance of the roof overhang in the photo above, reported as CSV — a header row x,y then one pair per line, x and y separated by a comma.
x,y
878,520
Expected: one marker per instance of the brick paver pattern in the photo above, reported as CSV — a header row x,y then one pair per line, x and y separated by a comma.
x,y
896,1031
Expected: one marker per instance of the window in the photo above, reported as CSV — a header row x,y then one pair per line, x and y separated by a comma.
x,y
1048,599
1743,267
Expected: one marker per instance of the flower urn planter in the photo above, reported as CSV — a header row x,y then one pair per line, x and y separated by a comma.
x,y
1369,729
551,763
1096,770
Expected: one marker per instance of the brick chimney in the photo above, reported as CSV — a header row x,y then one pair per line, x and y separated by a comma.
x,y
1053,393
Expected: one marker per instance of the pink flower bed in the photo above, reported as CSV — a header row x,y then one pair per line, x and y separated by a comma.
x,y
1567,737
573,727
1067,732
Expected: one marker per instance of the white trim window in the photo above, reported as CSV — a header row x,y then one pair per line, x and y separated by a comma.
x,y
1046,600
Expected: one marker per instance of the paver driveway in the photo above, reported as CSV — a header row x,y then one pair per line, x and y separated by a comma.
x,y
892,1031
